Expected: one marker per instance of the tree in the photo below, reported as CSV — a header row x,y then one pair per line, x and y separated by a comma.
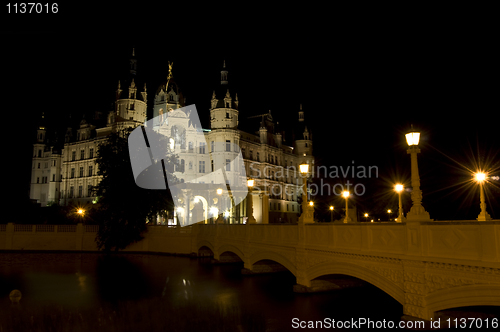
x,y
123,207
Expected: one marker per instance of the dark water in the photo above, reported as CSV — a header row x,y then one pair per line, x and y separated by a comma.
x,y
158,285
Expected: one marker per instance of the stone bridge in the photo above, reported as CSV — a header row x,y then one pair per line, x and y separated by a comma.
x,y
425,266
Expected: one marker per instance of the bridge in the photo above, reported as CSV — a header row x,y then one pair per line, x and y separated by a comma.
x,y
425,266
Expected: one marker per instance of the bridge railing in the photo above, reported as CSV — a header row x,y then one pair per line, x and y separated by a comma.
x,y
439,240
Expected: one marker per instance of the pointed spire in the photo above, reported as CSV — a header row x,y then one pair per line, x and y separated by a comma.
x,y
223,74
133,63
301,114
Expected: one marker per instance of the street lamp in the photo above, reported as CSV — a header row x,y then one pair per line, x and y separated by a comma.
x,y
480,177
251,219
366,216
389,212
347,219
331,213
417,211
399,189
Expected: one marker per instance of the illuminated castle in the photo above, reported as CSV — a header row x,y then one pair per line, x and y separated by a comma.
x,y
67,175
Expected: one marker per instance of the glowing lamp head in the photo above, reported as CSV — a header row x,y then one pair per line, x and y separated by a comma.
x,y
219,191
389,211
311,203
80,211
250,182
412,137
366,215
304,168
331,208
345,194
214,211
399,188
480,176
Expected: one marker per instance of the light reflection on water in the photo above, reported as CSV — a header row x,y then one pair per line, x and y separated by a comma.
x,y
85,280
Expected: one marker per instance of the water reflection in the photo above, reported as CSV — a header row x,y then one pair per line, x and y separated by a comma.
x,y
149,290
119,277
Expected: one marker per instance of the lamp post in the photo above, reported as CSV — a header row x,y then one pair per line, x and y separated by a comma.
x,y
417,211
347,219
307,215
480,177
399,189
251,219
331,213
366,216
389,213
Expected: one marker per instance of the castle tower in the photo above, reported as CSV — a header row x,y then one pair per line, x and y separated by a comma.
x,y
131,104
224,136
303,139
223,109
46,167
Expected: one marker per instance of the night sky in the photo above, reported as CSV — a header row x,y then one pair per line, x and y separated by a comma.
x,y
360,90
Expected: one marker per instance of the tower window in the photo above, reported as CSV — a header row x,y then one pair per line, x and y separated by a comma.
x,y
228,146
228,165
227,113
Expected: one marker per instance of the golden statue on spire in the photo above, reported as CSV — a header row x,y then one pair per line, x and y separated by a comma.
x,y
170,64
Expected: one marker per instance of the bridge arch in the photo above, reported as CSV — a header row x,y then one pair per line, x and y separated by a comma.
x,y
278,258
463,296
233,249
365,274
205,244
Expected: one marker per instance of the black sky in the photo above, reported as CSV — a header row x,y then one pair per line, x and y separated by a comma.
x,y
360,90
